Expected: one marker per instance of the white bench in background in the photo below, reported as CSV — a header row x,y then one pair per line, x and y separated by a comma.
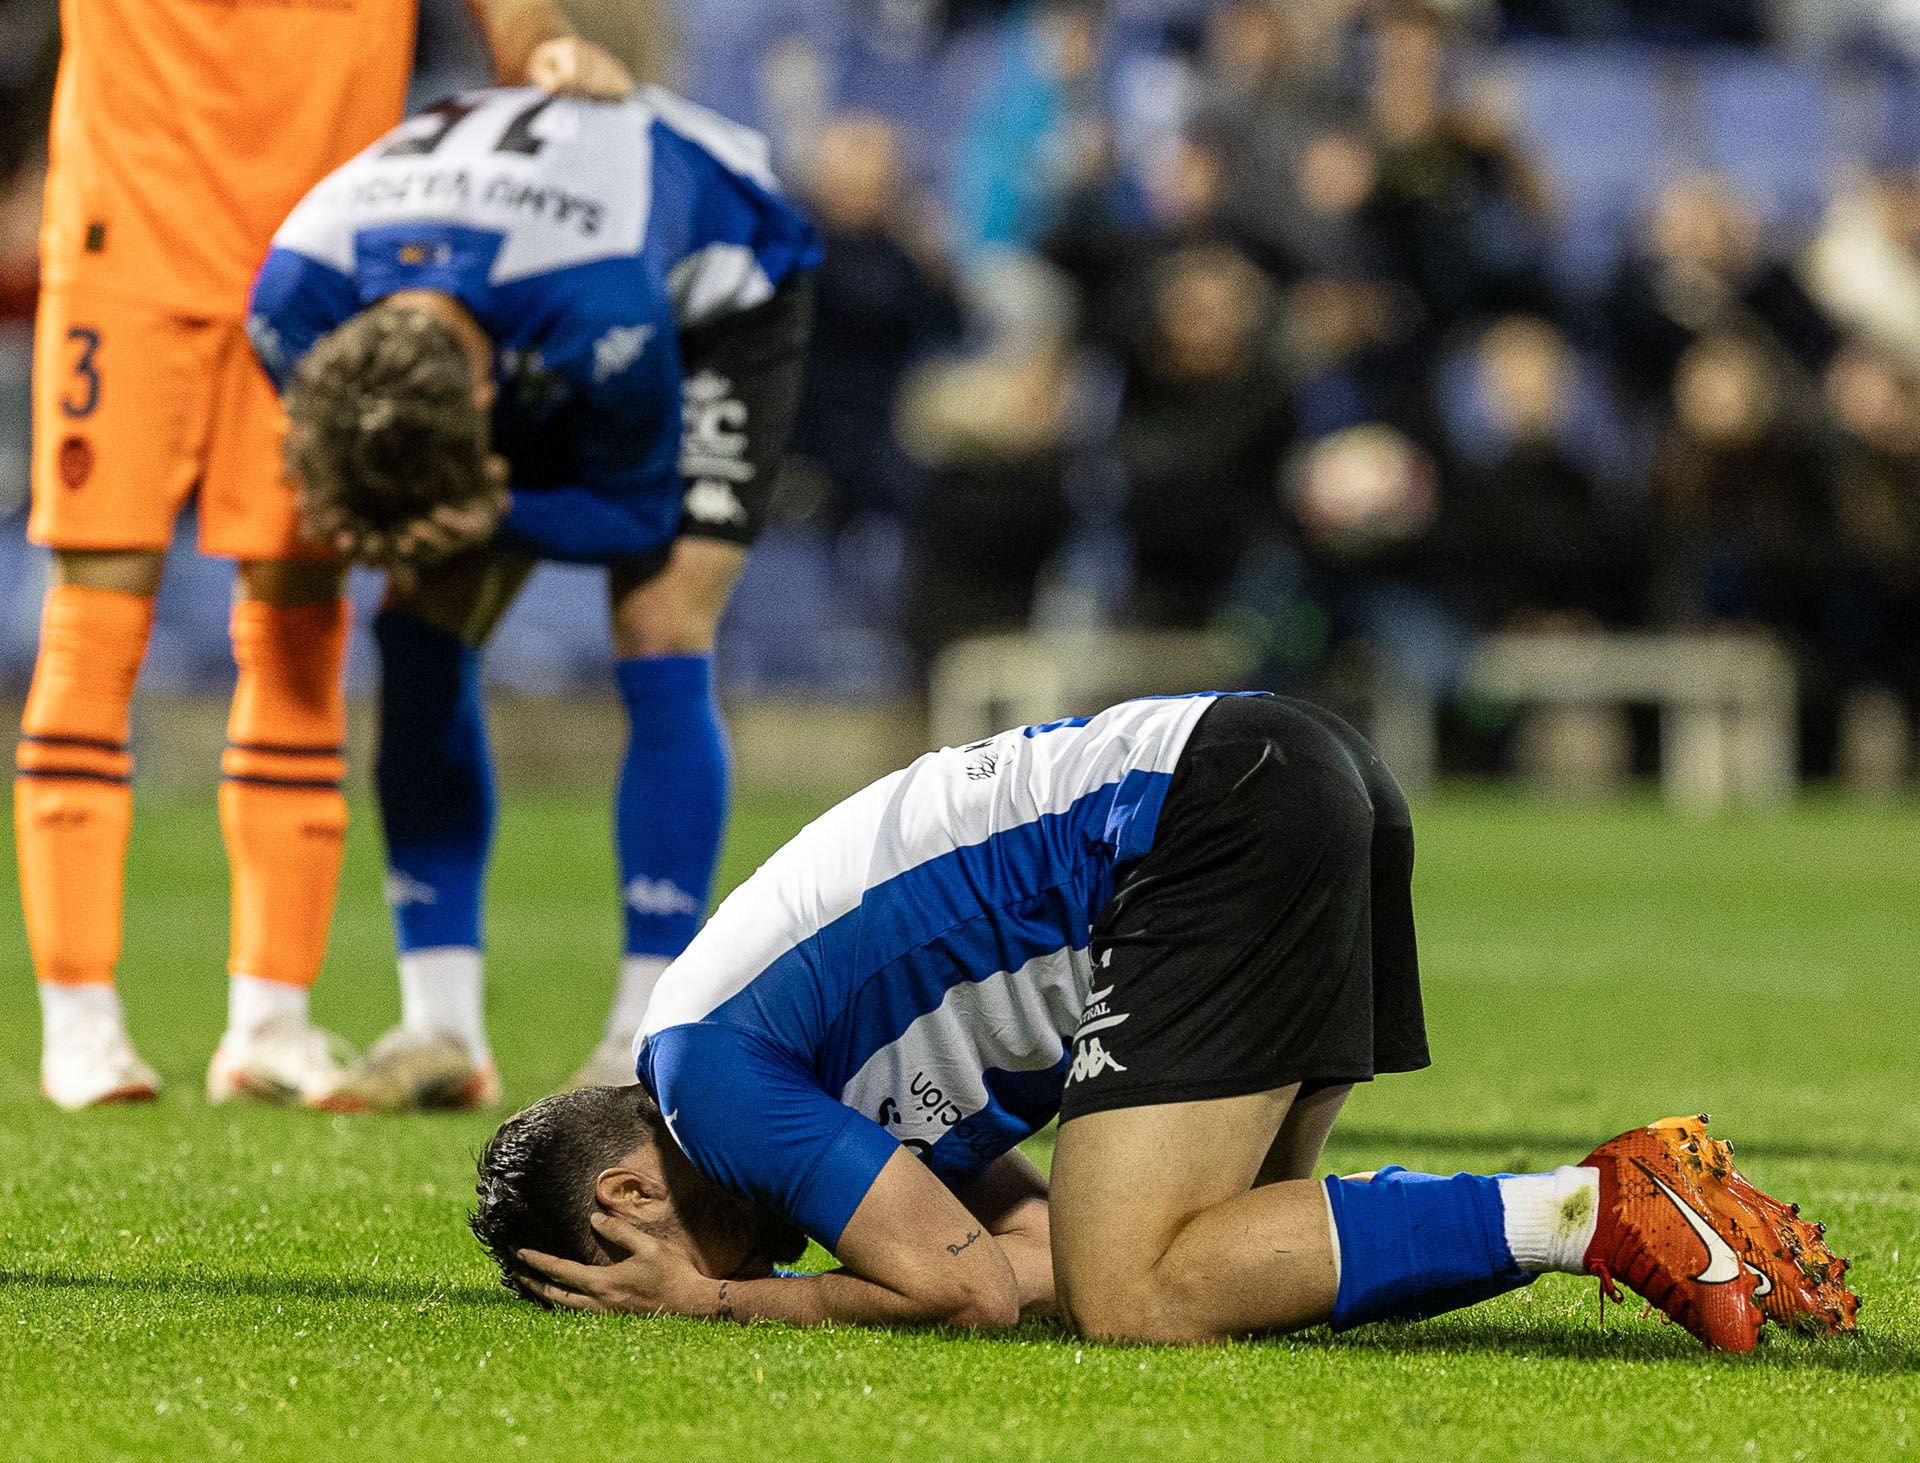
x,y
1727,700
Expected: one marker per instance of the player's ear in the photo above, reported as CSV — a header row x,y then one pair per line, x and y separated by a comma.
x,y
638,1193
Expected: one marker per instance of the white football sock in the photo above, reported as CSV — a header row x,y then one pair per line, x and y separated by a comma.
x,y
440,991
639,974
63,1007
1551,1217
254,1004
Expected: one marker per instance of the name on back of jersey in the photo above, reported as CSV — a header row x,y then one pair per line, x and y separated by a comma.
x,y
435,188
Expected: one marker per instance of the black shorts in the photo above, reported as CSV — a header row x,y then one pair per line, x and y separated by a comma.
x,y
1266,938
739,394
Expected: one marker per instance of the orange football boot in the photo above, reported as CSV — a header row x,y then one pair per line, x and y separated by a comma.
x,y
1802,1282
1663,1231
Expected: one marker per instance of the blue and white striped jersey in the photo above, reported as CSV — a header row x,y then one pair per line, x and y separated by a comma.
x,y
584,237
911,968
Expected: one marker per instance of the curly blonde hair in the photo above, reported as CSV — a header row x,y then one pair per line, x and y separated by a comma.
x,y
382,426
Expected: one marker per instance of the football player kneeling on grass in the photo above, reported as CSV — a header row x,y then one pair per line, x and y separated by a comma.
x,y
1184,926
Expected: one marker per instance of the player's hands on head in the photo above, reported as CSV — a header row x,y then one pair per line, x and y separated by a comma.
x,y
579,68
405,548
653,1278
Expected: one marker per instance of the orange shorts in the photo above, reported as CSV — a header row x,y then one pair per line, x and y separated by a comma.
x,y
135,410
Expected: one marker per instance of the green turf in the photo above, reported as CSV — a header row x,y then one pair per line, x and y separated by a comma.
x,y
186,1282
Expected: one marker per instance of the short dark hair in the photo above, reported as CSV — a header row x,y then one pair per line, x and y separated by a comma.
x,y
382,426
537,1172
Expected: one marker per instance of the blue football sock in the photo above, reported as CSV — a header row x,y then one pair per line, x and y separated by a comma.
x,y
670,810
434,775
1417,1244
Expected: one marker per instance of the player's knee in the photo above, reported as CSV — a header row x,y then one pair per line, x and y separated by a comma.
x,y
1144,1309
1159,1305
673,628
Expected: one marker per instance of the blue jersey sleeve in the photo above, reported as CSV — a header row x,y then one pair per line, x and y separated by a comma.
x,y
295,301
751,1118
577,525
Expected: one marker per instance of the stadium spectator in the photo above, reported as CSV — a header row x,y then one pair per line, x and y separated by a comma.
x,y
1204,426
881,303
1872,628
1701,267
994,432
1111,249
1524,536
1458,200
1267,84
1740,520
1038,133
1865,265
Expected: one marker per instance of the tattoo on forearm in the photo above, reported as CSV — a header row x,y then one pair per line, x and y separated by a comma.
x,y
972,1235
724,1310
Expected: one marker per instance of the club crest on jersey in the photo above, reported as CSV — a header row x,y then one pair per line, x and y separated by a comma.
x,y
76,462
418,254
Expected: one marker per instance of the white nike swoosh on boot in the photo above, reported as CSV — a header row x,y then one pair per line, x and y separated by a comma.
x,y
1722,1263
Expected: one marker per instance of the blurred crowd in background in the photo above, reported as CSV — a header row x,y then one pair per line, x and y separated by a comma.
x,y
1352,328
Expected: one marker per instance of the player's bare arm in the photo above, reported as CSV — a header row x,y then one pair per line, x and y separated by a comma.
x,y
533,41
912,1255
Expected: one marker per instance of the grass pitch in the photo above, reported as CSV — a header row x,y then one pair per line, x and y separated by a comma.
x,y
190,1282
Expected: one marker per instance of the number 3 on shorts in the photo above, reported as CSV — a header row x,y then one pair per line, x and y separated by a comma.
x,y
82,395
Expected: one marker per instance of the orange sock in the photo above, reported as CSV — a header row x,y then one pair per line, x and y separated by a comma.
x,y
281,807
73,798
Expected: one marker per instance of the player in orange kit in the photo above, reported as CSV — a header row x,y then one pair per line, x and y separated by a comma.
x,y
183,132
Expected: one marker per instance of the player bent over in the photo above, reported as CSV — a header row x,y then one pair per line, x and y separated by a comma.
x,y
1185,927
526,328
174,154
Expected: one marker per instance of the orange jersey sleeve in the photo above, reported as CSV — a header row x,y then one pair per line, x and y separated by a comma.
x,y
185,130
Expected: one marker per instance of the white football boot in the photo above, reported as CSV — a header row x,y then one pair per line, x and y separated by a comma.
x,y
91,1063
418,1071
282,1063
611,1065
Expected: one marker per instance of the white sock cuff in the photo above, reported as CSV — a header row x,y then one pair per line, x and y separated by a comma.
x,y
441,990
254,1004
1550,1218
62,1007
1333,1233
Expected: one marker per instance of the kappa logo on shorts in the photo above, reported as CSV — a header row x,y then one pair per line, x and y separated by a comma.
x,y
76,462
714,504
1090,1059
